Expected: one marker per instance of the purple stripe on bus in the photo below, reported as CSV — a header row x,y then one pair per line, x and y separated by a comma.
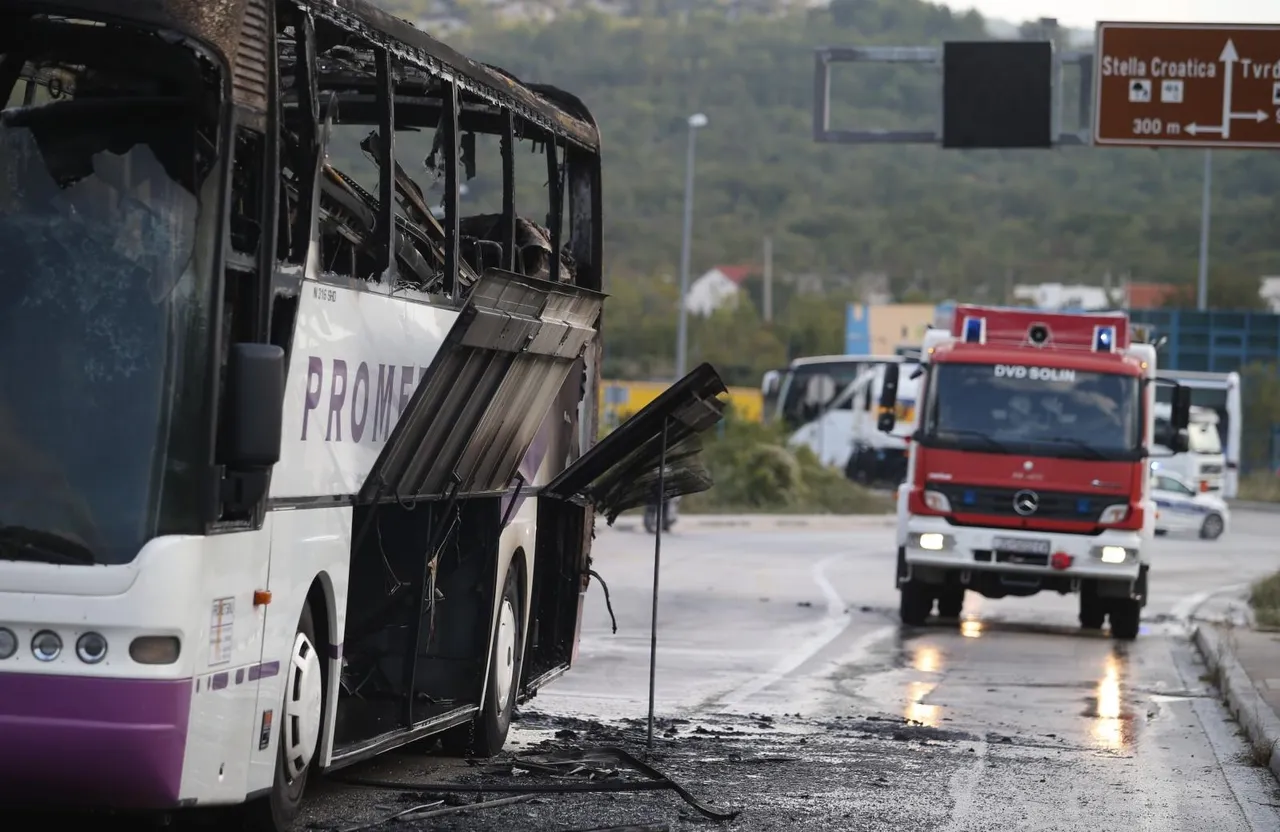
x,y
92,742
218,682
335,651
263,671
239,675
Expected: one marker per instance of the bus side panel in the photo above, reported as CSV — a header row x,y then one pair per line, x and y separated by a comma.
x,y
357,357
227,651
308,547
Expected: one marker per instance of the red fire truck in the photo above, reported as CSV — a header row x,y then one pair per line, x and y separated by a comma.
x,y
1029,469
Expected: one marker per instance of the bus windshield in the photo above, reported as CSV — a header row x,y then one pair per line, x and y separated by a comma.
x,y
101,299
1033,410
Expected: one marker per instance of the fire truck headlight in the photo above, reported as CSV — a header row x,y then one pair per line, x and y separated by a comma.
x,y
1114,514
1111,554
937,501
932,541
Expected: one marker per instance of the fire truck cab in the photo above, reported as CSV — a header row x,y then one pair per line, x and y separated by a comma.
x,y
1028,469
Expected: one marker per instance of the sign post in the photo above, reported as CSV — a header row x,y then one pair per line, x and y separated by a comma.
x,y
1187,85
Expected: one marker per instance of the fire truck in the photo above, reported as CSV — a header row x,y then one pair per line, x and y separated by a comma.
x,y
1029,466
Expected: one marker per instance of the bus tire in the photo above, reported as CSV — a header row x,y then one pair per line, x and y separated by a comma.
x,y
487,733
298,734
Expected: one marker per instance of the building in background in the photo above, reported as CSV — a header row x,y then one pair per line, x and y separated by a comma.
x,y
880,328
716,289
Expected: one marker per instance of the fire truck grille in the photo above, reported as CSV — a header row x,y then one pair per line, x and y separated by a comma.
x,y
1025,503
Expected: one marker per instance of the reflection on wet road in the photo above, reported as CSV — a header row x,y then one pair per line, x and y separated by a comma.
x,y
1049,727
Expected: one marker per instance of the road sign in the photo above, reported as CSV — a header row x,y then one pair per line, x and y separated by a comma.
x,y
1187,85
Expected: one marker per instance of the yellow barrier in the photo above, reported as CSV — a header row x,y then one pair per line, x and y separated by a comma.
x,y
620,400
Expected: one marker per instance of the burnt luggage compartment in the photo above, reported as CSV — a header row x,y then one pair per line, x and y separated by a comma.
x,y
619,473
420,592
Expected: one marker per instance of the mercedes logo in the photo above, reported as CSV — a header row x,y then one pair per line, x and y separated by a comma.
x,y
1026,502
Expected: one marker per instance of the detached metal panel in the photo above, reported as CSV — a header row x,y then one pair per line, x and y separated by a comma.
x,y
479,406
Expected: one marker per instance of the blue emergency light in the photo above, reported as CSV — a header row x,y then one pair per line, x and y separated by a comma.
x,y
1104,339
975,330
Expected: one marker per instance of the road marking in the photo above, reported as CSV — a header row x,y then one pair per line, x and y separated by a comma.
x,y
964,787
835,622
1185,608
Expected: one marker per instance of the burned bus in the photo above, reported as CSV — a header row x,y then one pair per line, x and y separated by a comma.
x,y
294,470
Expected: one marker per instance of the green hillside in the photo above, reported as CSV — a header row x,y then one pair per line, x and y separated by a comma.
x,y
941,223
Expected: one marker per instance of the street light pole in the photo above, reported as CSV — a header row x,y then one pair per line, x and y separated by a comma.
x,y
1202,285
696,121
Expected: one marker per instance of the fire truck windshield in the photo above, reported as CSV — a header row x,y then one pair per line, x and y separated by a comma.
x,y
1046,411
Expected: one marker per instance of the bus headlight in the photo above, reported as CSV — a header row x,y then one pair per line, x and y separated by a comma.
x,y
1114,514
46,646
8,643
155,649
91,648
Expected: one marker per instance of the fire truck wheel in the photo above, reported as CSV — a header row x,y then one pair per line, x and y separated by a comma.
x,y
1125,615
298,735
915,602
485,736
1092,614
1212,528
951,603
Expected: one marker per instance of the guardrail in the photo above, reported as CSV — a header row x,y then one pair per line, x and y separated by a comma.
x,y
1253,505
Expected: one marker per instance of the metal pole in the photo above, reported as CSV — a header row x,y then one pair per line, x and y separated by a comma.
x,y
1202,287
657,559
682,332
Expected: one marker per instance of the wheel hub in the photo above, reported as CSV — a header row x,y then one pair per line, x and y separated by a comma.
x,y
506,653
302,706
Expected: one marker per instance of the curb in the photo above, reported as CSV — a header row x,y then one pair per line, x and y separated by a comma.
x,y
1259,721
703,522
1253,505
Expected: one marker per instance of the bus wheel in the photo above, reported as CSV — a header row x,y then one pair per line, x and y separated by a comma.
x,y
485,736
299,735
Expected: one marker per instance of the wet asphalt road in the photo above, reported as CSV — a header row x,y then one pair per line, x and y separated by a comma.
x,y
800,699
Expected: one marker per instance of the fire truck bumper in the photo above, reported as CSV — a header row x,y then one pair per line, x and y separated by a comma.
x,y
932,544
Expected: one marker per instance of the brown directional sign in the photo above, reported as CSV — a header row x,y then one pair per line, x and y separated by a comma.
x,y
1187,85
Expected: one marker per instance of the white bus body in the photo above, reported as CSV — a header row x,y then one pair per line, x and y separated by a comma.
x,y
1221,393
1203,463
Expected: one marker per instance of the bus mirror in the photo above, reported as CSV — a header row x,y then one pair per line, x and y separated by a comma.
x,y
1180,416
888,419
254,406
769,385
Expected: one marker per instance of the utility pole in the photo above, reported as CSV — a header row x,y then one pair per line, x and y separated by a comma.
x,y
768,279
1206,197
696,121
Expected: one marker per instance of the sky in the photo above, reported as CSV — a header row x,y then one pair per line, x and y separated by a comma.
x,y
1085,13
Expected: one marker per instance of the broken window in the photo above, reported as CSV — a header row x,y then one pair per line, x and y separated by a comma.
x,y
108,193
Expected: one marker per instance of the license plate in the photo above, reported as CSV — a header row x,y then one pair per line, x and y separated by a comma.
x,y
1021,545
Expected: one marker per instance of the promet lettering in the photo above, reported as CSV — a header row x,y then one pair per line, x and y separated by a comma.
x,y
348,401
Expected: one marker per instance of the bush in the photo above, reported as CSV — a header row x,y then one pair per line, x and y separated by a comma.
x,y
755,472
1261,486
1264,597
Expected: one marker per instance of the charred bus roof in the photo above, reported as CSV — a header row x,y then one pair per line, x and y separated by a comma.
x,y
239,31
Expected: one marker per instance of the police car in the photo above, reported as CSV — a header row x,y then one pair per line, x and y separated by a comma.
x,y
1180,509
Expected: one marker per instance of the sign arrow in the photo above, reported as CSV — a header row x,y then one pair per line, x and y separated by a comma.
x,y
1228,57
